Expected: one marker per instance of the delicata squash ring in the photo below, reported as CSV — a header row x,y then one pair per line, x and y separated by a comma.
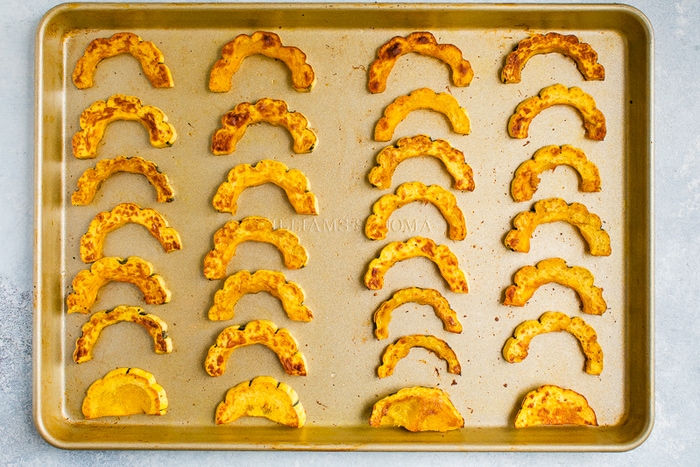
x,y
527,176
257,229
134,270
417,409
376,225
91,180
235,122
293,182
431,297
423,43
146,52
262,332
243,282
263,396
125,391
553,405
391,156
92,242
423,98
156,327
94,121
265,43
399,349
529,278
516,347
583,54
414,247
558,94
555,210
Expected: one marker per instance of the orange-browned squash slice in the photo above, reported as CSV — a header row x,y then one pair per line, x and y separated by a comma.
x,y
553,405
125,391
400,349
417,409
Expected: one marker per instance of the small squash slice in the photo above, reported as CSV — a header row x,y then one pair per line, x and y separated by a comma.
x,y
516,348
423,98
376,225
264,43
146,52
423,43
94,121
294,183
125,391
235,122
440,305
417,409
558,94
391,156
91,180
557,210
134,270
257,229
92,242
583,54
529,278
263,396
156,328
553,405
273,282
441,255
401,348
526,178
262,332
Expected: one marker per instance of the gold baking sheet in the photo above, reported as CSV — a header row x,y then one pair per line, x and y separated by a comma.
x,y
342,353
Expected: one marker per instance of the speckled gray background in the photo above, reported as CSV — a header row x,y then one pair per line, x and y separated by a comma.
x,y
674,440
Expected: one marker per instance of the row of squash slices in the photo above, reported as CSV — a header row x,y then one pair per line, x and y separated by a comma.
x,y
248,397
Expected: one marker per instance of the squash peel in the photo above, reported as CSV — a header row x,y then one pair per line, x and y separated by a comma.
x,y
400,349
94,121
529,278
556,210
423,98
262,332
417,409
263,396
293,182
125,391
273,282
423,43
553,405
516,347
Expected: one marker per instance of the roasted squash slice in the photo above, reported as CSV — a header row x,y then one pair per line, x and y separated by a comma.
x,y
417,409
529,278
376,225
257,229
516,348
91,180
262,332
553,405
134,270
423,98
293,182
414,247
156,327
92,242
423,43
243,282
146,52
440,305
583,54
558,94
557,210
527,176
391,156
125,391
235,122
264,43
94,121
400,349
263,396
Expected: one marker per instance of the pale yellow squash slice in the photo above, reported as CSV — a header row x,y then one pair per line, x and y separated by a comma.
x,y
122,392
